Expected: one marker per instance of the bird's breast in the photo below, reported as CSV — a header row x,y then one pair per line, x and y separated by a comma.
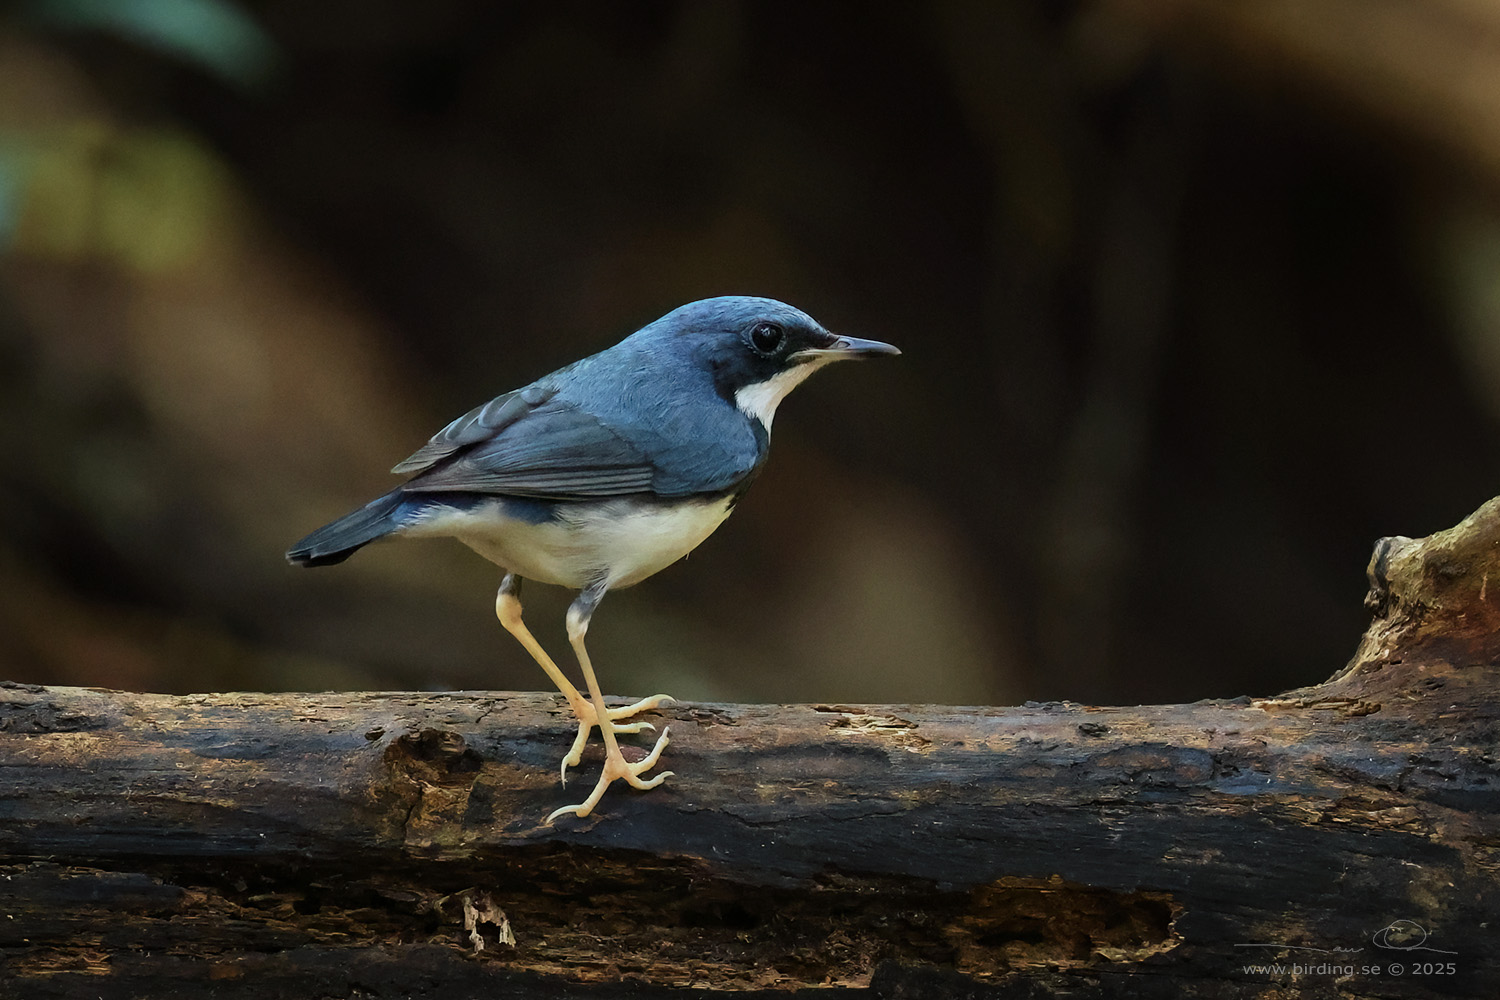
x,y
621,540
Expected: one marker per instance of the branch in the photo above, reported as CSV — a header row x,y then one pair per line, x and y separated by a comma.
x,y
390,845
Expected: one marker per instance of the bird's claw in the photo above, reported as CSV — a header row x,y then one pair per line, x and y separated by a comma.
x,y
588,718
617,767
644,705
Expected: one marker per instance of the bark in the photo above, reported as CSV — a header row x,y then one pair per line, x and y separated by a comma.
x,y
392,845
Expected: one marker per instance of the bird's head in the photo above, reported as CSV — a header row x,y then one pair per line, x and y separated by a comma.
x,y
757,349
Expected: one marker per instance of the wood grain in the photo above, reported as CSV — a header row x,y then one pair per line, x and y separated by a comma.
x,y
391,845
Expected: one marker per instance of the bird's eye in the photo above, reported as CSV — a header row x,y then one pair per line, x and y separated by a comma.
x,y
767,338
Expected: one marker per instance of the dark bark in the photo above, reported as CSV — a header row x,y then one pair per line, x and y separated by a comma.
x,y
375,845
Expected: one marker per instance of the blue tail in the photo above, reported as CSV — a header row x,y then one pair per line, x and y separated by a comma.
x,y
333,543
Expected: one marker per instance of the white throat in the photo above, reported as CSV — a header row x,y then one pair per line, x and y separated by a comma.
x,y
761,399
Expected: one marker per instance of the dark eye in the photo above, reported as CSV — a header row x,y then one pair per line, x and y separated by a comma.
x,y
767,338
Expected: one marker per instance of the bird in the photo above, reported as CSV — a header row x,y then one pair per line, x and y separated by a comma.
x,y
601,474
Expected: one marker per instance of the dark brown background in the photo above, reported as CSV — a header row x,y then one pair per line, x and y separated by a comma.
x,y
1197,301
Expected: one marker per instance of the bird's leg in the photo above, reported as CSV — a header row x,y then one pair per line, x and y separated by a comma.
x,y
615,764
508,610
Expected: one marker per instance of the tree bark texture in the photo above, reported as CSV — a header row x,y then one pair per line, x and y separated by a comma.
x,y
1340,840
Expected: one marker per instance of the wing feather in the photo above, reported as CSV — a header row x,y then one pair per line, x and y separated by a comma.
x,y
542,442
554,451
477,425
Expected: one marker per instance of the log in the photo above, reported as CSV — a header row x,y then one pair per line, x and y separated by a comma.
x,y
1339,840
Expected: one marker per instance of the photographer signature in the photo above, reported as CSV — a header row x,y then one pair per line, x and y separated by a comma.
x,y
1398,935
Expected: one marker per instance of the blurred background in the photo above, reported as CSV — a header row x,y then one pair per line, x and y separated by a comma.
x,y
1197,300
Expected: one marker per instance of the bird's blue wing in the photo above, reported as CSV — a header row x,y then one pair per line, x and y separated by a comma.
x,y
479,424
537,443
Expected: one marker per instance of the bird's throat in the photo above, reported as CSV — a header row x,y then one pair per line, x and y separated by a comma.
x,y
759,400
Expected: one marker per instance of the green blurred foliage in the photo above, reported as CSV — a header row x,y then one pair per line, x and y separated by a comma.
x,y
215,34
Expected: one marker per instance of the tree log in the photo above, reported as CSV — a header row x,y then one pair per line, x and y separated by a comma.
x,y
1340,840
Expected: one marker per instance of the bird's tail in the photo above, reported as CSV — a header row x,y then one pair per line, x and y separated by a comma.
x,y
333,543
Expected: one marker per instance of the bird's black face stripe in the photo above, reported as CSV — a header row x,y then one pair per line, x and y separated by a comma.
x,y
778,341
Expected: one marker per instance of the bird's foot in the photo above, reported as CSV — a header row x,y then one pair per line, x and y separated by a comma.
x,y
588,719
615,767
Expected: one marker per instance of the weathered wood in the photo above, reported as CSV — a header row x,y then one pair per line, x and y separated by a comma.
x,y
387,845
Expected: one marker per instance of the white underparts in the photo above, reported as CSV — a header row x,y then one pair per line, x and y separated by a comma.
x,y
619,540
761,399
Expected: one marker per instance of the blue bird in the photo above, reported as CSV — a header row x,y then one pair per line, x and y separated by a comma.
x,y
603,473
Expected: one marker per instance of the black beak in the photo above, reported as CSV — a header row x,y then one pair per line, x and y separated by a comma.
x,y
845,348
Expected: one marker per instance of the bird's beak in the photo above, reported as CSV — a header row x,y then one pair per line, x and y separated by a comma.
x,y
844,348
